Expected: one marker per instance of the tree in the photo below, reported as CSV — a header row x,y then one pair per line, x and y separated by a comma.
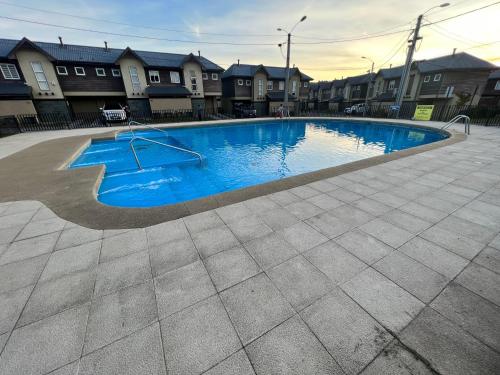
x,y
463,98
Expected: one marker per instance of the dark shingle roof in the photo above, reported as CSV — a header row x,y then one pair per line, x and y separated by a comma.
x,y
458,61
359,80
325,85
390,73
274,72
6,46
338,83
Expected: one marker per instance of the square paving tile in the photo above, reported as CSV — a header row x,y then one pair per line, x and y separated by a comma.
x,y
406,221
237,364
489,258
12,304
328,224
300,282
260,204
231,267
139,353
495,242
233,212
323,186
123,244
20,274
325,201
372,206
391,305
7,235
29,248
350,215
387,232
284,198
279,218
198,338
270,250
345,195
467,228
46,345
302,236
249,227
181,288
172,255
423,212
255,306
389,199
119,314
42,227
167,232
304,192
349,334
303,209
481,281
203,221
16,219
364,246
291,348
77,236
214,240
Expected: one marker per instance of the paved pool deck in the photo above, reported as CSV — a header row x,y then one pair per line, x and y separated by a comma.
x,y
390,269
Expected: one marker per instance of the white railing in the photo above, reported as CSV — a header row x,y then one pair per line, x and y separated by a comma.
x,y
456,119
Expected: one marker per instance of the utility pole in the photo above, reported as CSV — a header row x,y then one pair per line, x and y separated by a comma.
x,y
287,74
370,78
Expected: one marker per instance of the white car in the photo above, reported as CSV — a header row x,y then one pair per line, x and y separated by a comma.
x,y
113,112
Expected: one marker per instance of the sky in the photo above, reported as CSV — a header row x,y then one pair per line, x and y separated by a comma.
x,y
225,31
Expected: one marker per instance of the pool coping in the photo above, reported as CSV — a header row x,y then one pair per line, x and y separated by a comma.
x,y
39,173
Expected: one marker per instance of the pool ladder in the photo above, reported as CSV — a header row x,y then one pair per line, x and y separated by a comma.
x,y
134,138
457,119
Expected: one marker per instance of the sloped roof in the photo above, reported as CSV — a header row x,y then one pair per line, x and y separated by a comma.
x,y
390,73
274,72
359,80
458,61
6,45
495,74
325,85
339,83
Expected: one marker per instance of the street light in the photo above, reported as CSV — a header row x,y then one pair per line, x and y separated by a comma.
x,y
370,72
287,73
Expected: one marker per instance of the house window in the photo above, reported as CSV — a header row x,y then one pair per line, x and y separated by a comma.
x,y
497,85
204,76
427,78
215,76
62,71
281,85
40,75
240,82
116,72
249,82
9,71
134,78
261,88
100,72
269,85
306,84
392,84
194,84
437,77
154,76
79,71
294,88
175,77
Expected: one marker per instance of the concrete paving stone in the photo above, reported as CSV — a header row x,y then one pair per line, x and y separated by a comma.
x,y
474,314
46,345
302,236
419,280
364,246
43,213
377,184
73,259
53,296
22,206
279,218
249,227
172,255
77,236
345,195
389,199
300,282
458,200
473,181
42,227
212,241
113,232
198,338
482,281
328,224
396,360
181,288
12,304
122,272
7,235
3,248
291,349
350,335
361,189
138,353
233,212
406,221
303,209
284,198
448,349
492,197
339,181
335,262
495,242
322,186
260,204
423,212
489,258
123,244
236,364
3,340
166,232
467,228
454,242
29,248
425,180
391,305
270,250
325,202
230,267
435,257
403,192
119,314
20,274
203,221
387,232
255,306
350,215
371,206
16,219
481,213
468,193
72,368
304,192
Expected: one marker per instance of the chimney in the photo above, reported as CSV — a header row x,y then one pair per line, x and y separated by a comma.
x,y
454,50
60,41
238,62
199,54
105,45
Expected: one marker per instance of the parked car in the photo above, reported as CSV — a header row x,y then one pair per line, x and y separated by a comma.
x,y
358,109
347,110
114,113
244,111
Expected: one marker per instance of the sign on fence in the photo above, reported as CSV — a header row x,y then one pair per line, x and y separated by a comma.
x,y
423,112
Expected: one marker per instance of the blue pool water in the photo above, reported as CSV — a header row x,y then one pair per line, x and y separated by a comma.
x,y
235,156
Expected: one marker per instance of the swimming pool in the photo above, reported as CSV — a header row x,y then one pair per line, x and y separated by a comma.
x,y
235,156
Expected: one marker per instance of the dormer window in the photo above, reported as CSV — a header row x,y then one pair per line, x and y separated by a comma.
x,y
215,76
9,71
269,85
437,77
79,71
427,78
154,76
392,84
306,84
240,82
116,72
204,76
175,77
62,71
100,72
249,82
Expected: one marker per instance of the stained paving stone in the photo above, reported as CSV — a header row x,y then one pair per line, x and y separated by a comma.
x,y
387,232
350,335
116,315
303,209
284,198
391,305
38,228
74,259
270,250
364,246
236,364
291,348
29,248
489,258
230,267
181,288
335,262
300,282
172,255
197,338
202,221
249,227
419,280
467,228
122,272
255,306
123,244
12,304
45,345
406,221
139,353
20,274
325,201
328,224
372,206
449,349
474,314
302,236
482,281
214,240
279,218
77,236
233,212
166,232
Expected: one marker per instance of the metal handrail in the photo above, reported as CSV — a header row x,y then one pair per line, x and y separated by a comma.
x,y
132,122
456,119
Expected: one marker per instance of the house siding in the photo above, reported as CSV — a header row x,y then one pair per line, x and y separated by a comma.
x,y
91,82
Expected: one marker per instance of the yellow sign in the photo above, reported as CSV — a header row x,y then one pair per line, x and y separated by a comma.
x,y
423,112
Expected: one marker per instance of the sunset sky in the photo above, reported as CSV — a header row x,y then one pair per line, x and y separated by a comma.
x,y
249,28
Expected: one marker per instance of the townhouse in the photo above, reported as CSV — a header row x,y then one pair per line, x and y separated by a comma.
x,y
324,90
357,88
337,94
491,92
40,77
263,87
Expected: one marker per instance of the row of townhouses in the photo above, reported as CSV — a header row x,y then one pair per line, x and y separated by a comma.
x,y
459,78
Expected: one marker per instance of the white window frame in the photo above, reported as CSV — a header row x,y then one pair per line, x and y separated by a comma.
x,y
497,85
134,78
61,70
281,85
260,88
40,76
82,73
215,76
204,76
248,82
116,72
270,85
175,77
193,80
427,78
240,82
306,83
156,74
294,88
9,71
392,84
100,72
437,77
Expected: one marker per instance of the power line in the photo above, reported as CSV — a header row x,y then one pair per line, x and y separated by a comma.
x,y
461,14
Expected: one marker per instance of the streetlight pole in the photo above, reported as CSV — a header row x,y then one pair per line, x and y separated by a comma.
x,y
369,83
